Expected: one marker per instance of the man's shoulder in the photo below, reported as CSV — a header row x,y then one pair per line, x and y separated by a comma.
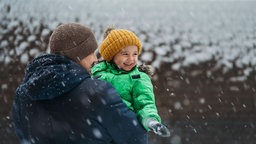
x,y
96,88
94,83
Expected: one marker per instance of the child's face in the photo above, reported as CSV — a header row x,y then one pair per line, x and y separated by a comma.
x,y
126,58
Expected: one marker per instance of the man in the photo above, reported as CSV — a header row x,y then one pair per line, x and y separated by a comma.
x,y
59,102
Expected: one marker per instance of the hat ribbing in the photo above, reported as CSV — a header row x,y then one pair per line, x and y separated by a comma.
x,y
73,40
116,40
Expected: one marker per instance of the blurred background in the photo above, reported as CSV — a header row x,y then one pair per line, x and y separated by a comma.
x,y
203,53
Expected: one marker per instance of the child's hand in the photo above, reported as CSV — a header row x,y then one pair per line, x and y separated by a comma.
x,y
158,128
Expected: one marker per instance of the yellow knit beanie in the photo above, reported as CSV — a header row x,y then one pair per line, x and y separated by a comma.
x,y
115,40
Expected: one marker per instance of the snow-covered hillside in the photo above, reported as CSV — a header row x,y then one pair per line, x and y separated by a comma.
x,y
181,33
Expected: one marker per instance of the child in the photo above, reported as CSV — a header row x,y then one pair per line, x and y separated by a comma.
x,y
120,50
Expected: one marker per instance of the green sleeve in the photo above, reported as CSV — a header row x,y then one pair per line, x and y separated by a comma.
x,y
144,100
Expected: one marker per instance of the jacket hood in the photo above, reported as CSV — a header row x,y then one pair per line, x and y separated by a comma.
x,y
50,76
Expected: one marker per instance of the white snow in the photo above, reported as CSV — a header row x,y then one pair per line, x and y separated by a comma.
x,y
4,86
96,132
146,56
134,122
88,122
21,48
177,105
99,118
202,100
34,52
31,38
24,58
45,32
183,33
7,59
4,44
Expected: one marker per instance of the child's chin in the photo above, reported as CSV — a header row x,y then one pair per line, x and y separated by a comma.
x,y
127,69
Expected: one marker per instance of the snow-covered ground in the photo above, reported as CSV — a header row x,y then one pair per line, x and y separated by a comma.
x,y
182,33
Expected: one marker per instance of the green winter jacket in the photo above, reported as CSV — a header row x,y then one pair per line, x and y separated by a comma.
x,y
135,88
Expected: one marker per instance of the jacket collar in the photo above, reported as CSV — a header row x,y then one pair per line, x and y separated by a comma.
x,y
49,76
109,67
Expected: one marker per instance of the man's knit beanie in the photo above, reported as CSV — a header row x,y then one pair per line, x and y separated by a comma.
x,y
73,40
115,40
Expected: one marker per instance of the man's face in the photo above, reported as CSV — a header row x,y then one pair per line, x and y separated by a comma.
x,y
88,61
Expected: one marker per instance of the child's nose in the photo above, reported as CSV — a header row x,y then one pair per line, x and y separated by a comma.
x,y
131,58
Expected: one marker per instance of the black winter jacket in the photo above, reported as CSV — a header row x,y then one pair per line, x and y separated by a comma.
x,y
59,103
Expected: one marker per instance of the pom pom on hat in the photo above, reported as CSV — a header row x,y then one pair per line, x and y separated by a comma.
x,y
115,40
73,40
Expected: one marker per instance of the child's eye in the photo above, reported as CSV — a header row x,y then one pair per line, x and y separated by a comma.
x,y
124,53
